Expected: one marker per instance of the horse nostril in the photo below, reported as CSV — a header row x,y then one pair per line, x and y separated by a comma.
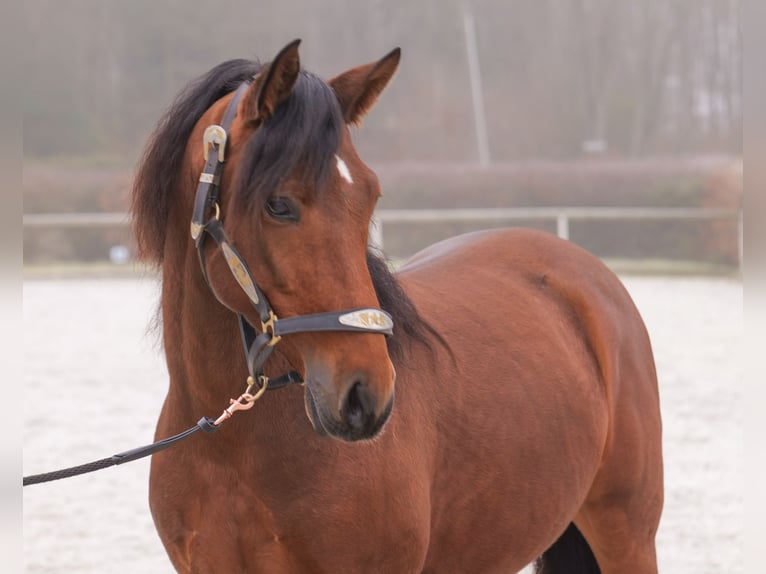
x,y
358,408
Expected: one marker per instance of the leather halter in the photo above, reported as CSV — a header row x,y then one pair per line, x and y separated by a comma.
x,y
259,345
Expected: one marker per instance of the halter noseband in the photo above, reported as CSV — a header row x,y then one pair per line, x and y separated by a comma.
x,y
258,346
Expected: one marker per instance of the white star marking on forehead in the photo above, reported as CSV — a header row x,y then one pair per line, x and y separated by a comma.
x,y
343,169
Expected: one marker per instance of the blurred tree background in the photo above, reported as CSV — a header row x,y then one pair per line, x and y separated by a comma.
x,y
605,82
654,77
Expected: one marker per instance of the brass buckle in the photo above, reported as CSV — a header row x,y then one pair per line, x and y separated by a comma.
x,y
251,384
213,135
268,326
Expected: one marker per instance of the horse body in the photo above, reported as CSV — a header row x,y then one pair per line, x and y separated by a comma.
x,y
529,404
571,374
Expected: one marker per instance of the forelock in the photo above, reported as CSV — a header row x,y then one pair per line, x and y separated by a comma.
x,y
300,139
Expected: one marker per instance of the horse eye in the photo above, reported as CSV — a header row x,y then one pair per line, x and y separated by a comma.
x,y
281,208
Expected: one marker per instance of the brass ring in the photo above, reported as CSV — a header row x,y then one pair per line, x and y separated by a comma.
x,y
259,393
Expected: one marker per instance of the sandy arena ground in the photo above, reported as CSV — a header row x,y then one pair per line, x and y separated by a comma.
x,y
86,347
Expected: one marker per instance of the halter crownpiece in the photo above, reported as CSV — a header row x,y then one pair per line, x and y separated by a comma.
x,y
258,346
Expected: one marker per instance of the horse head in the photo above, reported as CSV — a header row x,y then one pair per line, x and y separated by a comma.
x,y
296,201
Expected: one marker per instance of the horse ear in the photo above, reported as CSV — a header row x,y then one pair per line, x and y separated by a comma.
x,y
358,89
272,85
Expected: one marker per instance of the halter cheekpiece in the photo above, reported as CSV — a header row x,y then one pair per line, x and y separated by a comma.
x,y
206,220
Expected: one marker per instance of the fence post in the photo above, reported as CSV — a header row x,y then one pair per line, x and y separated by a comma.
x,y
477,96
376,232
741,239
562,226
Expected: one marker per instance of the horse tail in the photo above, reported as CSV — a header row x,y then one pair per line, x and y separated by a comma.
x,y
570,554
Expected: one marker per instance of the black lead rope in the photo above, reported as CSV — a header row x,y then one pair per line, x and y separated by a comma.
x,y
204,423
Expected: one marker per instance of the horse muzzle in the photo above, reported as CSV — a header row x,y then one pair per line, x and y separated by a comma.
x,y
358,414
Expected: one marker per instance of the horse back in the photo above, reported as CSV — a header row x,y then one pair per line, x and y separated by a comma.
x,y
522,275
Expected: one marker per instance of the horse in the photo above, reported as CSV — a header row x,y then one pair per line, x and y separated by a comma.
x,y
526,422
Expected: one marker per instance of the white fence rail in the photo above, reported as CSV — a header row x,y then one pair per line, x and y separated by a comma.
x,y
562,215
101,219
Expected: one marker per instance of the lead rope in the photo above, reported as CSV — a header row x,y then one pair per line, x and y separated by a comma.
x,y
244,402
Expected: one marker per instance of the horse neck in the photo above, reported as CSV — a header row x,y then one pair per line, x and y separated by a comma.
x,y
206,360
199,337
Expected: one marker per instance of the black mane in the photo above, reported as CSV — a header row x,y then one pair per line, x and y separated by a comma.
x,y
159,170
409,326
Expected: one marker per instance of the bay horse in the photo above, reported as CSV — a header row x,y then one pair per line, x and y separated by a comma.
x,y
526,426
